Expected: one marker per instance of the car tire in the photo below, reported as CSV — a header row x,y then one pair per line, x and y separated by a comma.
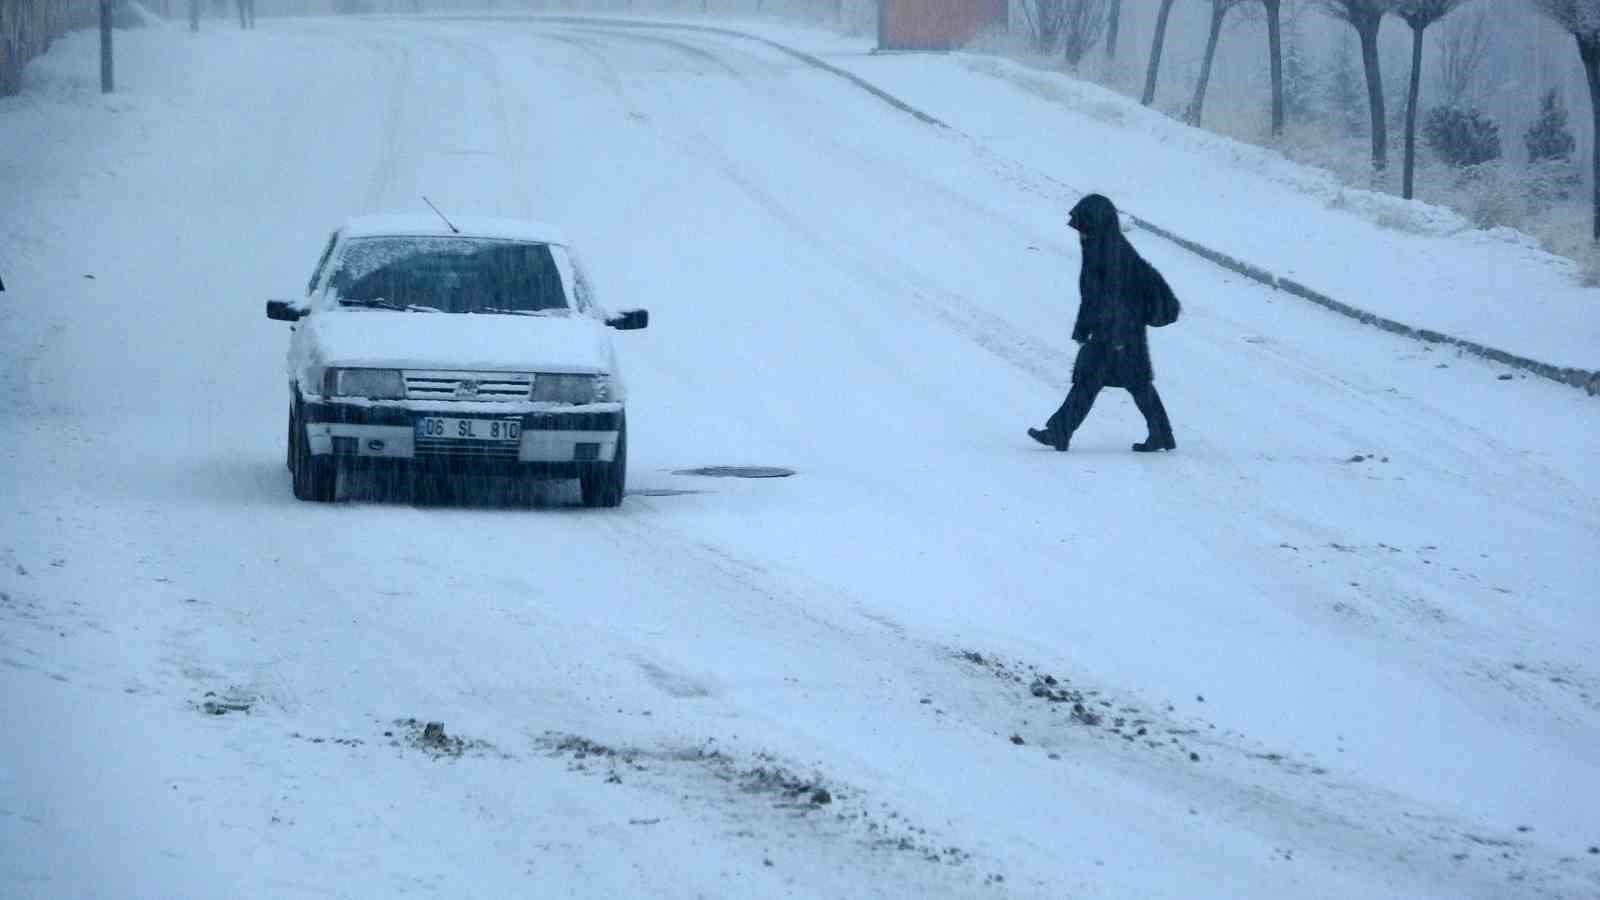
x,y
606,484
313,477
288,444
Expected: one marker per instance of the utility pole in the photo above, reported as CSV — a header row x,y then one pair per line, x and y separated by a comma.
x,y
194,15
105,47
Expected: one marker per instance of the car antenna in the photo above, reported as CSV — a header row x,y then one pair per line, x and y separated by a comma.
x,y
453,228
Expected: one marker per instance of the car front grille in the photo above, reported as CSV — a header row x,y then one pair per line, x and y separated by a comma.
x,y
491,386
434,448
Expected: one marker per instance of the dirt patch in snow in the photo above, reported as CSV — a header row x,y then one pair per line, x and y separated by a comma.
x,y
433,740
1082,708
232,700
340,742
831,807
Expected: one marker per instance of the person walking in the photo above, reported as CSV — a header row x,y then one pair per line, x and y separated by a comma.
x,y
1119,296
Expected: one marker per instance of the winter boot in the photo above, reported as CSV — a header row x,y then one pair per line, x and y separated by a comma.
x,y
1154,443
1043,436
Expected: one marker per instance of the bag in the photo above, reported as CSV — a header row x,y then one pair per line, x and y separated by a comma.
x,y
1161,308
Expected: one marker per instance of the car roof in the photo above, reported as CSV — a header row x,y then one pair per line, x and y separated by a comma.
x,y
468,226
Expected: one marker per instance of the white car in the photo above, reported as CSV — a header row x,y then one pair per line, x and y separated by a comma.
x,y
472,346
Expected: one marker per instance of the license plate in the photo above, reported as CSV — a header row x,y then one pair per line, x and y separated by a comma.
x,y
448,429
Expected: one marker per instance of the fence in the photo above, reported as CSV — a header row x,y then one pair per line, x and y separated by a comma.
x,y
28,26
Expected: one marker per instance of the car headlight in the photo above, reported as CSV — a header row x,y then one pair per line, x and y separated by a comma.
x,y
571,388
373,384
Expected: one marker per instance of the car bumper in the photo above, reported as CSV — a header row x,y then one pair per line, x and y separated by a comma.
x,y
558,443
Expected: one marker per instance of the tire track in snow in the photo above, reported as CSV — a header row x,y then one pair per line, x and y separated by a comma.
x,y
386,173
1019,348
693,52
1043,360
513,134
609,77
511,149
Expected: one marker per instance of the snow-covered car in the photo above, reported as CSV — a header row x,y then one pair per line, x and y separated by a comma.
x,y
469,346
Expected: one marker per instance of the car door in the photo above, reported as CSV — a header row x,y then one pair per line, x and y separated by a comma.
x,y
300,337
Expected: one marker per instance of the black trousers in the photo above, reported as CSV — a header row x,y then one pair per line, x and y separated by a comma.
x,y
1080,400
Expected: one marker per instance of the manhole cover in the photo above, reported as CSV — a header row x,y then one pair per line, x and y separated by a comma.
x,y
738,472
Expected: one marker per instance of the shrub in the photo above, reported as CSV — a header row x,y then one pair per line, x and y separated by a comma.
x,y
1489,195
1552,181
1462,137
1548,139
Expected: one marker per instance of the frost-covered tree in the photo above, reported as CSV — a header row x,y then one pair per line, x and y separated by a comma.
x,y
1160,38
1419,14
1043,18
1462,137
1071,25
1082,23
1343,89
1552,176
1548,139
1219,11
1582,19
1366,17
1300,85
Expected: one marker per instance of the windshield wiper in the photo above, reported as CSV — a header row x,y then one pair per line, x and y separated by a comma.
x,y
380,303
516,312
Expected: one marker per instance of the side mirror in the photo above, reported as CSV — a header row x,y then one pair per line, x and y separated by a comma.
x,y
630,320
284,310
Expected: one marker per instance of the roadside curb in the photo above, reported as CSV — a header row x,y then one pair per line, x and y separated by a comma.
x,y
1583,379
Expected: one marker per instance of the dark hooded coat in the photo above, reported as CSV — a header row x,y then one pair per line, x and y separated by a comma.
x,y
1115,288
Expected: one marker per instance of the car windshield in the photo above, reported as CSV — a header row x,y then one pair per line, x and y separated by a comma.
x,y
450,274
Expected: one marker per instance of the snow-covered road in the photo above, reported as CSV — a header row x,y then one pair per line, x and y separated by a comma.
x,y
1342,643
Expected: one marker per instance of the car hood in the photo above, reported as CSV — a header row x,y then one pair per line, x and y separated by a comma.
x,y
416,340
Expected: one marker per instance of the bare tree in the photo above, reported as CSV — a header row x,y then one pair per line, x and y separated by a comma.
x,y
1044,19
1365,16
107,81
1582,18
1419,14
1082,23
1275,56
1113,27
1463,47
1155,52
1219,11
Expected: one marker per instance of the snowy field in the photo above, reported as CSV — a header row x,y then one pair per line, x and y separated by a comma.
x,y
1342,643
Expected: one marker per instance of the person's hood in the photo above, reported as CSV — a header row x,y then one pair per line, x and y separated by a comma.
x,y
1095,215
575,343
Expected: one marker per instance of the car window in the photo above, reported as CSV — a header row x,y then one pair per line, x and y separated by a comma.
x,y
322,263
449,274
